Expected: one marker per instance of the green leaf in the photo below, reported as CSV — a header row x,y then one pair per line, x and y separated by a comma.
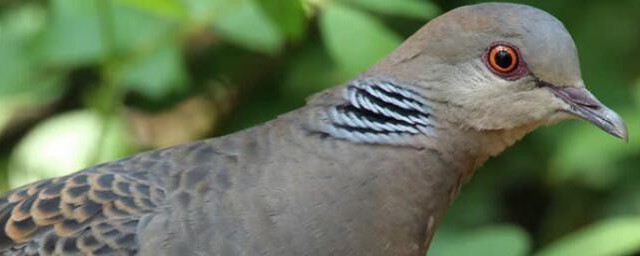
x,y
355,39
173,9
503,240
159,73
244,23
311,59
22,22
64,144
205,11
16,67
406,8
288,15
74,7
616,236
74,34
72,41
148,33
20,70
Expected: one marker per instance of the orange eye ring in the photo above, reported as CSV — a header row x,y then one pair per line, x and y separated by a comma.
x,y
503,59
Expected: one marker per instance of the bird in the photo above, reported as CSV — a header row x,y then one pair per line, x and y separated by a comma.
x,y
367,167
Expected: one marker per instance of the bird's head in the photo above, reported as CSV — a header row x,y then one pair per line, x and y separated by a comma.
x,y
500,67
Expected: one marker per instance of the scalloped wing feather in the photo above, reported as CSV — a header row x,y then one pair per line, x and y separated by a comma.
x,y
92,212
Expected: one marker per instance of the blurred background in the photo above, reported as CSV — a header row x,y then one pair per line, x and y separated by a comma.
x,y
87,81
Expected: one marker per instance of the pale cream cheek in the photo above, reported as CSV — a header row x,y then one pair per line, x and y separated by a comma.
x,y
493,103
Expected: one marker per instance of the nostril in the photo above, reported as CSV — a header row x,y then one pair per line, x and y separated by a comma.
x,y
581,96
572,94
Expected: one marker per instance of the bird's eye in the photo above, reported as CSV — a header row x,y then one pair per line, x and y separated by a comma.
x,y
503,59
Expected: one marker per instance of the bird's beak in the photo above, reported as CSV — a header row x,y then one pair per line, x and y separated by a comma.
x,y
583,104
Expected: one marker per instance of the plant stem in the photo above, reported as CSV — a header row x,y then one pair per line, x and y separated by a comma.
x,y
108,96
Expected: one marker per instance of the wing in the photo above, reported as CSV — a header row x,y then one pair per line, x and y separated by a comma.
x,y
92,212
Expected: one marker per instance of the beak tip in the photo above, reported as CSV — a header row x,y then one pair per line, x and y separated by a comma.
x,y
618,128
623,134
615,126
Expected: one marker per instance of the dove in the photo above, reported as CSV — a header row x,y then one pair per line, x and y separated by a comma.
x,y
368,167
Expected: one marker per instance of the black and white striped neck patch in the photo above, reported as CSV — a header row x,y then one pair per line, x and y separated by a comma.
x,y
380,112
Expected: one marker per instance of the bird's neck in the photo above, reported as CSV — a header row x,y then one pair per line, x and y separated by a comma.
x,y
375,111
378,111
465,149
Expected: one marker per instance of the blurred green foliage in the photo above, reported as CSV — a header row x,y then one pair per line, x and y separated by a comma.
x,y
84,81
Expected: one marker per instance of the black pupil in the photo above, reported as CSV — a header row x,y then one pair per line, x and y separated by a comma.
x,y
503,59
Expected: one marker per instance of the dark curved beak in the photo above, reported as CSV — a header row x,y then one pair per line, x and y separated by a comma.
x,y
583,104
